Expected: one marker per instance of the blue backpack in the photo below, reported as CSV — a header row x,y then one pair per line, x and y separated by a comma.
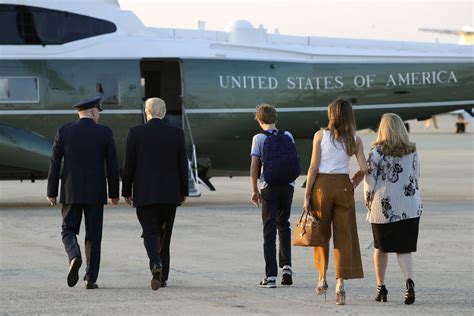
x,y
280,159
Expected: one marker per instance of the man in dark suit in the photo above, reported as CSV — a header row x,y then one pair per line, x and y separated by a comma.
x,y
155,179
90,158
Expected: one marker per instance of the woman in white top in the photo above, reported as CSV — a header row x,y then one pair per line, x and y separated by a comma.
x,y
329,195
392,198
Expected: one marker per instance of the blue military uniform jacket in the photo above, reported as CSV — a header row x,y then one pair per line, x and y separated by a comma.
x,y
90,162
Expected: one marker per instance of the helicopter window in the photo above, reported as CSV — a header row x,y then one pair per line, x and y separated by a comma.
x,y
10,33
75,27
47,26
19,89
27,25
109,90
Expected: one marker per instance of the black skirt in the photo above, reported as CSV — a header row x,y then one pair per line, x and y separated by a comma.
x,y
399,237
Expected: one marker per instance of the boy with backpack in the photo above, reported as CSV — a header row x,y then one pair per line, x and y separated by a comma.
x,y
275,159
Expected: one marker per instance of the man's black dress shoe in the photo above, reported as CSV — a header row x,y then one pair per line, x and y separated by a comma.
x,y
163,284
156,280
73,275
91,286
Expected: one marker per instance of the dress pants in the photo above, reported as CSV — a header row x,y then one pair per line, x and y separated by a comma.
x,y
276,210
157,224
72,216
332,199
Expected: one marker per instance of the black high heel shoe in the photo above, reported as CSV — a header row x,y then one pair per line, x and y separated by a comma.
x,y
410,292
381,293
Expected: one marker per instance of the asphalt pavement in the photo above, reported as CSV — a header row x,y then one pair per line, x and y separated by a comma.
x,y
217,256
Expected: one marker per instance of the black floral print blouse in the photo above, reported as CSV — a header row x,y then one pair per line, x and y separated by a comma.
x,y
391,187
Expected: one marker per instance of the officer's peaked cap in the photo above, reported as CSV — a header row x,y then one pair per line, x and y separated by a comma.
x,y
88,104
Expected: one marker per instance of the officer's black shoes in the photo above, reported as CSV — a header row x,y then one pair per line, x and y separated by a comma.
x,y
163,284
90,286
73,275
156,280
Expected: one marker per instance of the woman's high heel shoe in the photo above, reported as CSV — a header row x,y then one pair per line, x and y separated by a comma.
x,y
381,293
322,288
410,292
341,297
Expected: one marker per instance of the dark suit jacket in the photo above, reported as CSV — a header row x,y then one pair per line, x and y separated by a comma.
x,y
88,150
156,166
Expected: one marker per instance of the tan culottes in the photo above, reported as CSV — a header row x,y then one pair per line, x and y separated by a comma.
x,y
332,199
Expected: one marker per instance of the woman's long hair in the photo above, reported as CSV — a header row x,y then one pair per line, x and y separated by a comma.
x,y
342,124
392,136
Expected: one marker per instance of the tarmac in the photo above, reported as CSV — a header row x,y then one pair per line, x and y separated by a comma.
x,y
217,254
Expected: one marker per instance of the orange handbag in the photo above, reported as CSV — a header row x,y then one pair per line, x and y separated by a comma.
x,y
307,231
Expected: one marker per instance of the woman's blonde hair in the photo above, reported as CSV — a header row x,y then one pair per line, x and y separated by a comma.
x,y
392,136
342,123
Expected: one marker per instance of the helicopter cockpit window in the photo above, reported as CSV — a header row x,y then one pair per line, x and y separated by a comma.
x,y
27,25
109,90
19,89
75,27
47,26
10,34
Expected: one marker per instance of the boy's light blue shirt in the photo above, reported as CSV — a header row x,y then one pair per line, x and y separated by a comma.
x,y
257,150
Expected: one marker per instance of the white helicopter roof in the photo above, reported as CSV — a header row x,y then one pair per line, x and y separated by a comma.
x,y
241,40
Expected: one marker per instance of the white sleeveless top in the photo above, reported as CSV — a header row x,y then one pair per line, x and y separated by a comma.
x,y
334,158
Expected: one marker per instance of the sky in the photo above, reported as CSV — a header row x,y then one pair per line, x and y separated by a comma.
x,y
369,19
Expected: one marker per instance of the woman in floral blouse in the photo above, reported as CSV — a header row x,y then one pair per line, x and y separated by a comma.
x,y
392,198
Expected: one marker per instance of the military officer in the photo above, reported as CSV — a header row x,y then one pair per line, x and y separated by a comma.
x,y
90,161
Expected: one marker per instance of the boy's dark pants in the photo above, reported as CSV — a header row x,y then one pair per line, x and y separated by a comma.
x,y
276,209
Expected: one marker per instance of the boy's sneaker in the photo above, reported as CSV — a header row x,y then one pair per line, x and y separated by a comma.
x,y
269,282
287,276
